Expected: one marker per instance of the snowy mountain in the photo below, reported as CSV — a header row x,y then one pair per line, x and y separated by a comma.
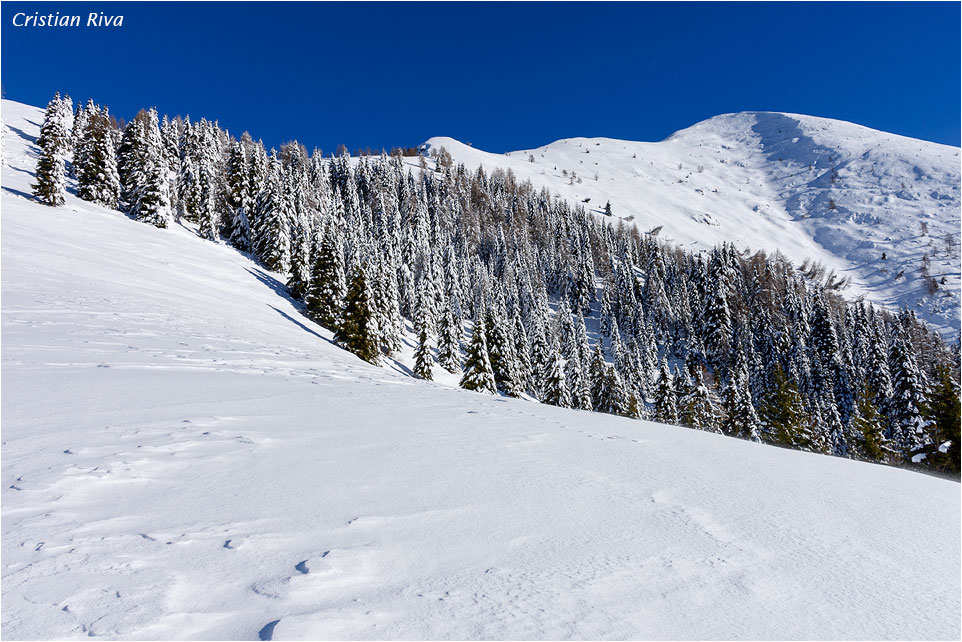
x,y
186,456
812,188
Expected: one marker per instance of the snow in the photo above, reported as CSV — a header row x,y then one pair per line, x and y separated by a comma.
x,y
764,180
185,456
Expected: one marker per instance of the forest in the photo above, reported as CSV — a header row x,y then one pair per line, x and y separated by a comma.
x,y
527,295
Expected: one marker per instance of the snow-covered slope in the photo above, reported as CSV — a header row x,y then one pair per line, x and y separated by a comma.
x,y
814,188
186,457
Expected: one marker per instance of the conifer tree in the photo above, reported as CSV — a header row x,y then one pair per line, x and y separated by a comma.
x,y
143,171
782,414
51,185
742,419
477,364
700,409
666,405
869,424
274,244
96,167
422,357
943,410
327,287
449,341
238,195
354,331
79,136
501,353
908,397
555,388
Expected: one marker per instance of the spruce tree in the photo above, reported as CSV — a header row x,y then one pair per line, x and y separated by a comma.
x,y
943,410
666,405
908,397
354,331
782,414
327,288
79,136
869,424
54,142
742,420
477,364
238,195
449,341
700,408
555,388
96,167
501,353
422,357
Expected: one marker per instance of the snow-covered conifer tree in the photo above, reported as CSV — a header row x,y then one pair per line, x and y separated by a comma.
x,y
477,364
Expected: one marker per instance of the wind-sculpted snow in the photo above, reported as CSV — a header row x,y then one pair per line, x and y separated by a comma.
x,y
185,456
812,188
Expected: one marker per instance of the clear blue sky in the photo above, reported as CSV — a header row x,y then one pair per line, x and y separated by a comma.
x,y
501,76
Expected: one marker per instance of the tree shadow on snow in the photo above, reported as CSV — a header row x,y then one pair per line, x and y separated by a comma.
x,y
22,134
299,324
279,288
17,192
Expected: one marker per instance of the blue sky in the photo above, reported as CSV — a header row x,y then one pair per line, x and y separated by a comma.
x,y
501,76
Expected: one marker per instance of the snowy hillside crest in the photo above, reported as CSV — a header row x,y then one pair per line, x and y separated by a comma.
x,y
880,210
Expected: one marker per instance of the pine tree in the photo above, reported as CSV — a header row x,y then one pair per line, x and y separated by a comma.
x,y
700,409
742,419
908,397
501,353
327,287
782,414
555,388
422,357
666,405
79,136
274,243
449,341
51,185
869,425
354,331
943,410
477,364
96,167
238,195
143,171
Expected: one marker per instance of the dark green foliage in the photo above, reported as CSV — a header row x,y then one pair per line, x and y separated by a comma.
x,y
50,187
782,414
477,364
96,168
666,404
869,425
327,288
422,357
501,353
555,388
742,420
943,410
354,330
443,247
449,342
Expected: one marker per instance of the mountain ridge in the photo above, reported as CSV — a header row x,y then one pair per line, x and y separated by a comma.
x,y
813,188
